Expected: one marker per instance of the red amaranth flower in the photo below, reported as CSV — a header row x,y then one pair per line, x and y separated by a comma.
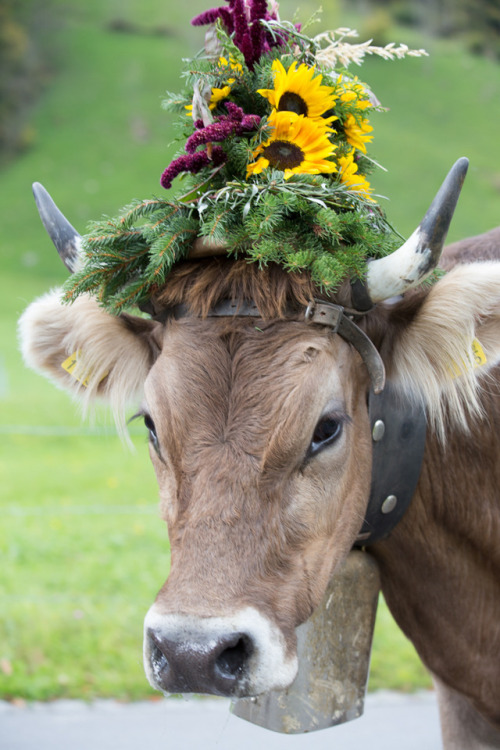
x,y
192,163
243,17
212,15
234,123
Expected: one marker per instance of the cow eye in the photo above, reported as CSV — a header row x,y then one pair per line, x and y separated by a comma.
x,y
150,426
327,431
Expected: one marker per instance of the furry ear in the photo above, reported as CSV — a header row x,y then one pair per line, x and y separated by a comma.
x,y
435,357
87,351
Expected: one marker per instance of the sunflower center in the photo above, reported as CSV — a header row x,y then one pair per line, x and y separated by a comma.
x,y
283,155
291,102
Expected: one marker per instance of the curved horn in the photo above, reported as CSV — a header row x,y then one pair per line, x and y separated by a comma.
x,y
63,235
420,254
67,239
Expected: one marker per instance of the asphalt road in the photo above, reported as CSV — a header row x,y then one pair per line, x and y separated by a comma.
x,y
391,722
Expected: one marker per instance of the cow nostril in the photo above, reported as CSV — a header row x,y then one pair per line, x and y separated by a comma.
x,y
157,658
201,664
232,661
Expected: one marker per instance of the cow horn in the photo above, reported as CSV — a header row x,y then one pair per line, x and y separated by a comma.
x,y
63,235
418,257
67,240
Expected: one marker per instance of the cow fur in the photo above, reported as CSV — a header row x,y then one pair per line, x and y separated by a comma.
x,y
235,403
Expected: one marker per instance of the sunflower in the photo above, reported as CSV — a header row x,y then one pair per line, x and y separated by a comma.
x,y
351,179
298,90
297,145
357,132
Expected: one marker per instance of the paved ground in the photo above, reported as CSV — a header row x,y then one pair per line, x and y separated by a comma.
x,y
391,722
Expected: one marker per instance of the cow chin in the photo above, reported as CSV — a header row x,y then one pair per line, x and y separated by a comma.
x,y
241,655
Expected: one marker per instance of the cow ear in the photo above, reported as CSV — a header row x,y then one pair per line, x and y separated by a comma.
x,y
444,350
88,352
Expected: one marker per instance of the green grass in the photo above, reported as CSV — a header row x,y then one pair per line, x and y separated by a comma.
x,y
83,551
83,554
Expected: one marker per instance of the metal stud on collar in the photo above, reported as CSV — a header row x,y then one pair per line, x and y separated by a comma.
x,y
398,434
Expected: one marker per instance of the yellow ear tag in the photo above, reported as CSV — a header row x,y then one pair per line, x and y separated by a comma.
x,y
478,357
70,365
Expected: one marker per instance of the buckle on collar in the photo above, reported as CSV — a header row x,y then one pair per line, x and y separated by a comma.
x,y
324,313
333,316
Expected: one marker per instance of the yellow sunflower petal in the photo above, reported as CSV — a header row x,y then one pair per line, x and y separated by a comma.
x,y
358,133
351,179
257,167
297,145
299,90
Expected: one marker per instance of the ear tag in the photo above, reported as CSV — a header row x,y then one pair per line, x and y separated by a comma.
x,y
478,360
478,353
71,364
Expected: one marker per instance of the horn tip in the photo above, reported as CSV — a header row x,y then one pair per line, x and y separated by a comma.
x,y
37,188
461,166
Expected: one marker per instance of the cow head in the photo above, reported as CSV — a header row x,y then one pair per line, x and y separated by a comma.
x,y
260,439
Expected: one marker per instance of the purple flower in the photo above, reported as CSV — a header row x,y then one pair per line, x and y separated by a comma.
x,y
216,131
258,10
234,123
192,163
243,17
211,16
240,21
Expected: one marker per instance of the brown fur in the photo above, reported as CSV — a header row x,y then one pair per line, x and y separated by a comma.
x,y
234,424
445,557
482,248
202,284
252,520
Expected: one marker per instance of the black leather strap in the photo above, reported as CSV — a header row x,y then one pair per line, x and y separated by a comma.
x,y
398,434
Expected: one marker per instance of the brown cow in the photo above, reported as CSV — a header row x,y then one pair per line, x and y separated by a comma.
x,y
261,442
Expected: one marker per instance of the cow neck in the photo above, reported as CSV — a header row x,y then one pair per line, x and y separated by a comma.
x,y
398,426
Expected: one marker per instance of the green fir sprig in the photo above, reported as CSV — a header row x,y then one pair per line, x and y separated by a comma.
x,y
246,183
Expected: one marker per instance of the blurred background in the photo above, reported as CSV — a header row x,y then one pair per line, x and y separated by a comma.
x,y
82,549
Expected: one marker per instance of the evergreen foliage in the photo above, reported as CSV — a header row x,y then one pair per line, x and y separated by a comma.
x,y
274,167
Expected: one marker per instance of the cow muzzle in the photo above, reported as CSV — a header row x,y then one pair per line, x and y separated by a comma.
x,y
241,655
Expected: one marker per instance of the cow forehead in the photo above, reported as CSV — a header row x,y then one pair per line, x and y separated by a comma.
x,y
206,373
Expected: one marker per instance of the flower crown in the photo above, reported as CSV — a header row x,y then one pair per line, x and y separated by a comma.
x,y
274,164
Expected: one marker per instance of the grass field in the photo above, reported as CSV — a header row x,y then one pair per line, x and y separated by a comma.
x,y
83,551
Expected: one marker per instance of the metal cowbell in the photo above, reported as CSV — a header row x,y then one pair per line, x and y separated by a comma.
x,y
334,648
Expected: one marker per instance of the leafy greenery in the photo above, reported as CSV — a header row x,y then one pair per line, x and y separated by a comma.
x,y
288,223
302,217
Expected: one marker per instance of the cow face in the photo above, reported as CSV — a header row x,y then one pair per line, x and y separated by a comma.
x,y
256,434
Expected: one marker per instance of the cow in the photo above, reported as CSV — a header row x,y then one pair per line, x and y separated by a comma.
x,y
260,437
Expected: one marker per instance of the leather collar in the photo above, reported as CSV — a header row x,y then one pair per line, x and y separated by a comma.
x,y
398,436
